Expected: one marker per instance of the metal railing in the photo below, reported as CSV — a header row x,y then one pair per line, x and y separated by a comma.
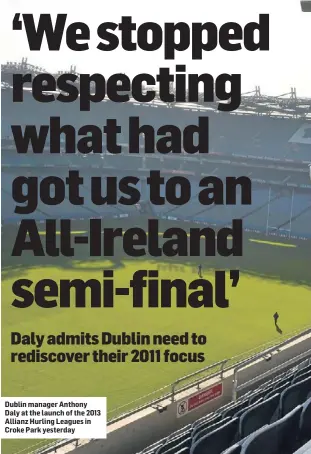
x,y
260,356
199,381
275,371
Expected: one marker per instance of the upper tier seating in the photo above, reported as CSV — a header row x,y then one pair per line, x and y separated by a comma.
x,y
253,135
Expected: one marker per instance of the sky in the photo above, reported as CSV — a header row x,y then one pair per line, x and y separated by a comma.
x,y
286,65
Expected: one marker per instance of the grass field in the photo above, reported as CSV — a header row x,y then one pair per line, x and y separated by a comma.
x,y
273,278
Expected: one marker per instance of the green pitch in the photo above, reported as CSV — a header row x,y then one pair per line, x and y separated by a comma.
x,y
273,278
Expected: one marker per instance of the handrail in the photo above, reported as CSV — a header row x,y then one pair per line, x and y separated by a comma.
x,y
287,365
205,369
261,355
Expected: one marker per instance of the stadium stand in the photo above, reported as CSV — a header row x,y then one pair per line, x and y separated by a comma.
x,y
267,139
285,212
275,419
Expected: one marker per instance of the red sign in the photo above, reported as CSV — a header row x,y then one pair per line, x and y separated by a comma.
x,y
205,396
199,399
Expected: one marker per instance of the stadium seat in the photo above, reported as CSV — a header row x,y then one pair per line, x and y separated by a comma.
x,y
302,371
181,441
202,423
235,449
305,449
208,429
187,428
301,377
284,380
259,415
217,441
280,437
243,410
294,395
277,390
235,408
173,448
305,422
259,395
261,442
204,418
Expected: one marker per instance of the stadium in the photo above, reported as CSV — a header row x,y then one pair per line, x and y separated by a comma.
x,y
254,383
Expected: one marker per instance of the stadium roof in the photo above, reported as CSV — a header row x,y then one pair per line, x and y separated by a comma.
x,y
286,105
